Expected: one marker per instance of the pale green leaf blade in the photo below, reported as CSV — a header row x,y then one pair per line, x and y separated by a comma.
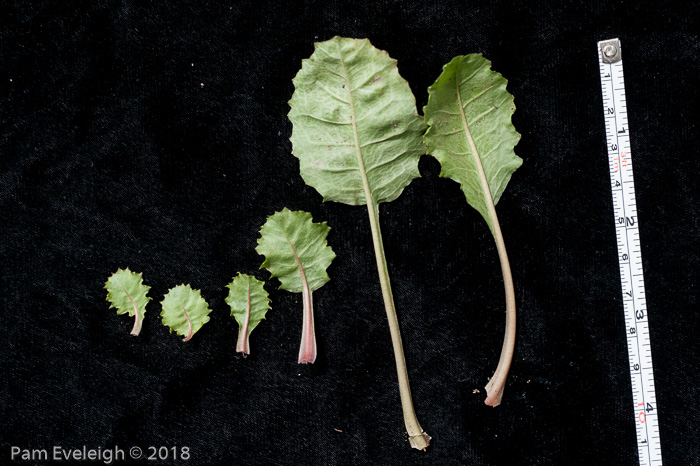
x,y
128,295
249,303
355,123
184,311
295,249
469,125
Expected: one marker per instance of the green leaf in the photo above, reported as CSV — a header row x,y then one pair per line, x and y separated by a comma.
x,y
470,131
127,293
249,303
295,250
356,126
297,254
184,311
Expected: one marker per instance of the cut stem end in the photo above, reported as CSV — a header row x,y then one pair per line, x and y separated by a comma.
x,y
137,326
242,346
494,394
420,441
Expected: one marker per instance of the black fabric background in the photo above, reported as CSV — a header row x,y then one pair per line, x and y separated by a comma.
x,y
113,154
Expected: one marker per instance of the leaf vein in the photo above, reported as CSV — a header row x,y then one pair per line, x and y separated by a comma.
x,y
387,162
311,243
330,70
377,141
373,75
450,151
324,120
445,111
338,169
282,252
470,76
329,92
478,118
479,95
452,132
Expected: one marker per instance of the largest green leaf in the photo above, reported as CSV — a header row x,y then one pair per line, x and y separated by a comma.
x,y
356,127
358,138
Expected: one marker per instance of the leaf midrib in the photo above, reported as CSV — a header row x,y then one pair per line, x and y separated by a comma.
x,y
189,322
136,309
246,323
353,120
304,283
485,190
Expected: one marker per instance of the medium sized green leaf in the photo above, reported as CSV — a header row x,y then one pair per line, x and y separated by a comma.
x,y
127,293
297,254
184,311
249,303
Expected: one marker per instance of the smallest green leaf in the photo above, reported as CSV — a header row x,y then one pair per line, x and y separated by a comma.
x,y
127,293
249,303
184,311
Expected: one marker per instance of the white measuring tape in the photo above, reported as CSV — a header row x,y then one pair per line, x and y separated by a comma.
x,y
629,252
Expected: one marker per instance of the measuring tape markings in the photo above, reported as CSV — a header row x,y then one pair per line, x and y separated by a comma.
x,y
629,252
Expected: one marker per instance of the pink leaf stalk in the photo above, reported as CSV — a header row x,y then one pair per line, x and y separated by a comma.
x,y
307,350
243,345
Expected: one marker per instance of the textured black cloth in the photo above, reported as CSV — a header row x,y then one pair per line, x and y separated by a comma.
x,y
153,135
